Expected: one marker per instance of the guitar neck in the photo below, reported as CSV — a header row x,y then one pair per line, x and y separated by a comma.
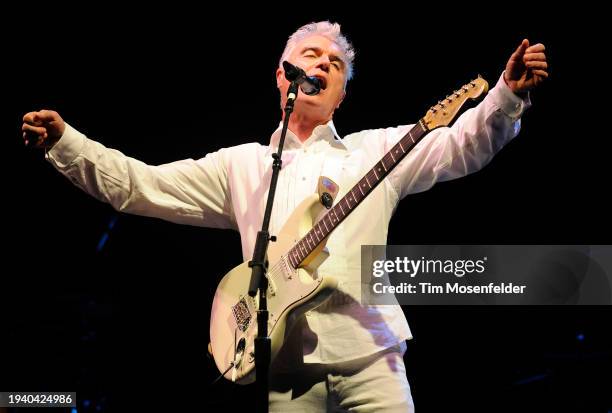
x,y
358,193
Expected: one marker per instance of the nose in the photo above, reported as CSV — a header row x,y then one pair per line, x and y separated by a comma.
x,y
323,63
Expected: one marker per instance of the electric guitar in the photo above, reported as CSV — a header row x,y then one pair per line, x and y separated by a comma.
x,y
294,287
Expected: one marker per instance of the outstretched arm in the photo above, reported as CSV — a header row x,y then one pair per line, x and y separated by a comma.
x,y
472,141
193,192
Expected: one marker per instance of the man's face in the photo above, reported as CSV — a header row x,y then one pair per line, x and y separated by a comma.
x,y
322,58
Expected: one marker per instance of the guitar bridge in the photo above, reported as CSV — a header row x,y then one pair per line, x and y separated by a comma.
x,y
242,314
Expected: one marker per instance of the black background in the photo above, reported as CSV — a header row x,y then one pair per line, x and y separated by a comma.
x,y
127,325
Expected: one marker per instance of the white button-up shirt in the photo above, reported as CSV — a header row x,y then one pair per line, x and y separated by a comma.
x,y
228,189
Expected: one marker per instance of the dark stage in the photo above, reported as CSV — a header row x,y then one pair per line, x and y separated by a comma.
x,y
116,307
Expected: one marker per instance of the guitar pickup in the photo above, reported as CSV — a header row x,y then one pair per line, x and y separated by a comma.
x,y
287,270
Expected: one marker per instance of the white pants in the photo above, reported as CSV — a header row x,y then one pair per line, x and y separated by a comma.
x,y
376,383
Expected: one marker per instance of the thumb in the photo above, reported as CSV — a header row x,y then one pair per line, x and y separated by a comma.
x,y
44,116
520,51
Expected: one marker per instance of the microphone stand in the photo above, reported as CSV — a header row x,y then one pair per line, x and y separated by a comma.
x,y
259,266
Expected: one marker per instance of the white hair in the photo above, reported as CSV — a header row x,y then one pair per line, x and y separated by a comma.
x,y
326,29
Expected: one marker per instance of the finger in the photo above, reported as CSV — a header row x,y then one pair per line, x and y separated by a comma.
x,y
518,53
32,118
33,130
536,48
28,134
45,115
28,117
541,73
536,65
534,56
34,140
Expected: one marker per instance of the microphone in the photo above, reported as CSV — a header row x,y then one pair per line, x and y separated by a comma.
x,y
309,84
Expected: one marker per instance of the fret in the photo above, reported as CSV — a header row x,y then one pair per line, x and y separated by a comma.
x,y
296,252
325,224
348,204
331,218
331,224
309,247
361,190
314,244
368,181
388,158
354,197
306,249
323,228
307,243
317,231
397,151
302,250
342,209
336,215
400,145
391,153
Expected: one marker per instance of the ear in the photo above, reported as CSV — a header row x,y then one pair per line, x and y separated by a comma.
x,y
341,99
280,74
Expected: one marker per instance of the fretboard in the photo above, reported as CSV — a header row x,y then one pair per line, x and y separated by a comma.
x,y
358,193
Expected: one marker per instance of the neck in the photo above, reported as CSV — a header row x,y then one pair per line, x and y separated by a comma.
x,y
302,125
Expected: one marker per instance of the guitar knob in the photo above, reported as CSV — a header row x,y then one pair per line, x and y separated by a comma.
x,y
327,200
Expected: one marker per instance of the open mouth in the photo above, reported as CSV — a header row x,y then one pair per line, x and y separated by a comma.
x,y
323,81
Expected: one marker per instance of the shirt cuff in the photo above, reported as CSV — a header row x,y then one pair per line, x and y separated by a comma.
x,y
509,103
67,148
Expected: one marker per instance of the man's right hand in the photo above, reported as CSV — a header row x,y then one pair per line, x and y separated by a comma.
x,y
42,129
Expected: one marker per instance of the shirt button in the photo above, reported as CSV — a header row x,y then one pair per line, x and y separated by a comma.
x,y
303,178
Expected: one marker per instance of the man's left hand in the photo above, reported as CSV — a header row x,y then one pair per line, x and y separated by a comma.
x,y
527,67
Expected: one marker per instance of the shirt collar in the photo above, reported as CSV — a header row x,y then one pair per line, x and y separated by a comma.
x,y
325,132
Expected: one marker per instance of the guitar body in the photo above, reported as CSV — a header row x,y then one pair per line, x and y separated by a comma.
x,y
291,293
